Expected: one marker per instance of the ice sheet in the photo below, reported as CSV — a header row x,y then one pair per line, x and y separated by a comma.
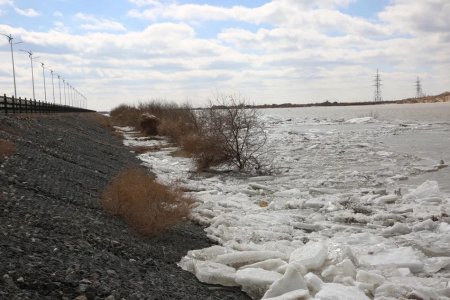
x,y
336,204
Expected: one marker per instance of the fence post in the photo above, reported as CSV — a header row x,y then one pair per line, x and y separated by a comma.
x,y
5,104
20,105
13,104
26,105
35,106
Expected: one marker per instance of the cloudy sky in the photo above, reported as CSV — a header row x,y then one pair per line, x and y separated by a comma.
x,y
278,51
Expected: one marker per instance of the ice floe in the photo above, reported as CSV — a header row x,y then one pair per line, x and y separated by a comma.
x,y
336,219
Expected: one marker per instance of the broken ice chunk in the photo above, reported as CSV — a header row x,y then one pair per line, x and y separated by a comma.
x,y
405,257
396,229
312,255
294,295
425,225
242,258
369,277
336,291
292,280
215,273
269,264
313,282
427,190
255,281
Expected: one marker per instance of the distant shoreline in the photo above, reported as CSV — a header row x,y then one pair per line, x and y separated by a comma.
x,y
444,97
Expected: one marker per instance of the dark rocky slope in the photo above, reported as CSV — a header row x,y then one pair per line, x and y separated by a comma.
x,y
55,240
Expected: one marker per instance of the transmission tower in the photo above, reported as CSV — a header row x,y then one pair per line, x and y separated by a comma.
x,y
377,85
419,92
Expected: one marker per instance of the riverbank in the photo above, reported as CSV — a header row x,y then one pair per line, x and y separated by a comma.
x,y
58,243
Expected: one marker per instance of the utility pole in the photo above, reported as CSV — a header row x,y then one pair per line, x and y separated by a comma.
x,y
45,88
30,55
377,86
59,82
10,39
53,85
64,84
419,92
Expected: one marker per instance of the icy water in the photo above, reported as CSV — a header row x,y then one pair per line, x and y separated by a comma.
x,y
357,206
422,130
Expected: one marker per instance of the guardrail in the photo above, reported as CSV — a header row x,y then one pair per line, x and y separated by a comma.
x,y
18,105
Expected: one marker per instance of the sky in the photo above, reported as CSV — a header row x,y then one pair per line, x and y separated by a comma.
x,y
278,51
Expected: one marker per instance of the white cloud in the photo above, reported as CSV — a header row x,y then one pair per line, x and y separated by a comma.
x,y
29,12
92,23
425,16
144,2
58,14
310,52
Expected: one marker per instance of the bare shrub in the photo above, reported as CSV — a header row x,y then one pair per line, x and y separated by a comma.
x,y
147,206
230,132
6,149
175,120
126,115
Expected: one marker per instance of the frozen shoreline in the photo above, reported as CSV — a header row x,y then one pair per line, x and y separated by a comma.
x,y
336,220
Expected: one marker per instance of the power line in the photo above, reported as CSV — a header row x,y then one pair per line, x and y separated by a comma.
x,y
377,85
419,92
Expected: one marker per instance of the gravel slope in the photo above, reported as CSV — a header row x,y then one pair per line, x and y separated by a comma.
x,y
56,241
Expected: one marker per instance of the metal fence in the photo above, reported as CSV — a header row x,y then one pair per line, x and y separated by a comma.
x,y
18,105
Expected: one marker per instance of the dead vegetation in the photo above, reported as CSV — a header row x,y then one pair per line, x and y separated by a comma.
x,y
226,133
6,149
146,206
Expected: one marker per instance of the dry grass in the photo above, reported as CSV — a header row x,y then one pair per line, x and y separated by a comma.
x,y
147,206
102,120
175,121
6,149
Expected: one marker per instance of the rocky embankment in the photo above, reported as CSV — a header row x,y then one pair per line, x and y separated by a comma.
x,y
56,241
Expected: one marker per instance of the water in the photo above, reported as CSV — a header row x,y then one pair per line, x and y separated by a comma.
x,y
420,130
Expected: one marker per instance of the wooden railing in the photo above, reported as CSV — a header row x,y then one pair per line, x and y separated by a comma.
x,y
18,105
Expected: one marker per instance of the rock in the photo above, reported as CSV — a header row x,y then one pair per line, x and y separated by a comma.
x,y
149,124
81,297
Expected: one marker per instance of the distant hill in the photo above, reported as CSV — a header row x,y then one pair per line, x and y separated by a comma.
x,y
444,97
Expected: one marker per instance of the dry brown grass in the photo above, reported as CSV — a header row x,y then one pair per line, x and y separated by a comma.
x,y
147,206
102,120
6,149
175,121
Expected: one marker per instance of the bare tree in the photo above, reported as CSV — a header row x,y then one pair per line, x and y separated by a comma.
x,y
233,133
